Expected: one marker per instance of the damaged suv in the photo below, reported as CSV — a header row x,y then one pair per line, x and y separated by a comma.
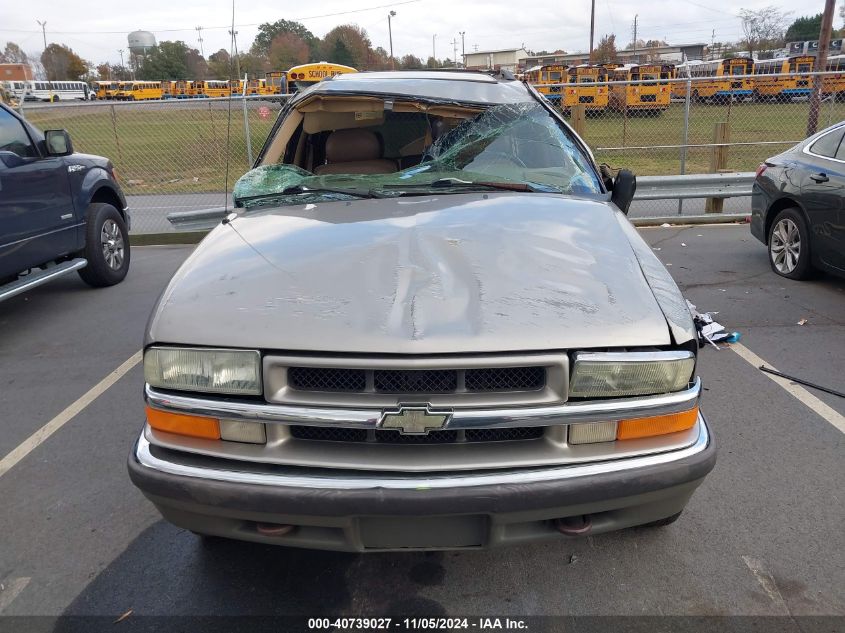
x,y
428,325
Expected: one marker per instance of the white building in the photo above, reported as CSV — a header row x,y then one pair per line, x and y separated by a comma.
x,y
499,59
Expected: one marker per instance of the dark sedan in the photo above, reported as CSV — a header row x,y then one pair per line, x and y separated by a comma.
x,y
797,206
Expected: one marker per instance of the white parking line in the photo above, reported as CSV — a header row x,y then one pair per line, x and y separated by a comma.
x,y
796,391
11,589
41,435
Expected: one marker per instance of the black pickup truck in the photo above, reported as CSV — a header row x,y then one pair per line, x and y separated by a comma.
x,y
60,211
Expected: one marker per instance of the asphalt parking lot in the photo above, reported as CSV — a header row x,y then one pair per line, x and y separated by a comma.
x,y
763,536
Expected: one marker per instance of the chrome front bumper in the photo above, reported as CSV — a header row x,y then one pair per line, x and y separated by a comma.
x,y
369,511
232,471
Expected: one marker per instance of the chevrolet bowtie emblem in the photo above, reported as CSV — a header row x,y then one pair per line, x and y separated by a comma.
x,y
410,420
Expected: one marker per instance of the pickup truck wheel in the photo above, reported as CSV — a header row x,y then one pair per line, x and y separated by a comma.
x,y
106,246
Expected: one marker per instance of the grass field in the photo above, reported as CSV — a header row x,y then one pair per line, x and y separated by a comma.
x,y
181,147
164,147
754,123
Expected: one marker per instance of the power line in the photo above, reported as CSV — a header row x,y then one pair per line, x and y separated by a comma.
x,y
209,28
704,6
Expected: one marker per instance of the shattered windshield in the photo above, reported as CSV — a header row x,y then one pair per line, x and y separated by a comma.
x,y
512,146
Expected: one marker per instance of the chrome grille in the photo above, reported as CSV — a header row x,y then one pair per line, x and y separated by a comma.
x,y
432,437
505,435
415,380
387,436
380,382
505,379
327,379
328,434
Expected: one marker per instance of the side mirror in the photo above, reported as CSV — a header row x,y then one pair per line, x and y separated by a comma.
x,y
624,188
58,142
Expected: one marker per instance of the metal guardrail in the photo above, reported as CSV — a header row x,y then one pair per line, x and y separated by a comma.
x,y
684,187
725,185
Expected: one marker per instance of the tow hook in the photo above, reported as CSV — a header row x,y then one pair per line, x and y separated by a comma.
x,y
273,529
574,526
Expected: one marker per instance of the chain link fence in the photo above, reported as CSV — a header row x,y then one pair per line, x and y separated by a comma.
x,y
705,128
174,155
181,155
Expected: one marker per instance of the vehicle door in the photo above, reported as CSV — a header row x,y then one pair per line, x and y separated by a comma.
x,y
37,222
822,192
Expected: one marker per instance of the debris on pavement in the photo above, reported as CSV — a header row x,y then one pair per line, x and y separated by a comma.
x,y
802,321
665,224
123,617
710,331
800,381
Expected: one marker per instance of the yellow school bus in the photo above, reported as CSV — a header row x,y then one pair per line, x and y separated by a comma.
x,y
834,84
105,89
138,91
541,76
722,85
168,89
653,97
274,82
182,89
212,88
792,80
582,89
300,77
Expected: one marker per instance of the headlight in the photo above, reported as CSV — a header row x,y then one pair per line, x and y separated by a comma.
x,y
236,372
620,374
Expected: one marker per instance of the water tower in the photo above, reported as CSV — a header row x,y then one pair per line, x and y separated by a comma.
x,y
140,42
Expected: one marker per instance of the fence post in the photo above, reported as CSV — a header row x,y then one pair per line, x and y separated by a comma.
x,y
718,163
686,139
579,119
114,129
247,134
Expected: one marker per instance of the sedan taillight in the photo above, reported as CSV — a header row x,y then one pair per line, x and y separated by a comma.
x,y
760,169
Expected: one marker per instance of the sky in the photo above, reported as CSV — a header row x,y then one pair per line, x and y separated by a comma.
x,y
97,30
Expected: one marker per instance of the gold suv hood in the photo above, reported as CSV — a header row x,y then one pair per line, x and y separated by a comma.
x,y
437,274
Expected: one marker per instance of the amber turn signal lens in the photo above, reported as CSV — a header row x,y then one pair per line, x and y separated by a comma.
x,y
192,425
658,425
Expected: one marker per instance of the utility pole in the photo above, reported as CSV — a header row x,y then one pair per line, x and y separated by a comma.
x,y
390,33
199,37
120,50
463,50
592,27
43,26
234,35
433,47
636,17
821,65
455,52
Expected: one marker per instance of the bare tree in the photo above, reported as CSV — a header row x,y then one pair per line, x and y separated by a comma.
x,y
763,28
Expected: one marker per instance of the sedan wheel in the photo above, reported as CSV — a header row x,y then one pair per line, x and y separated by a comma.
x,y
789,246
786,246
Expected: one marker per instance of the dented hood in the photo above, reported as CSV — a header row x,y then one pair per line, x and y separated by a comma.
x,y
470,272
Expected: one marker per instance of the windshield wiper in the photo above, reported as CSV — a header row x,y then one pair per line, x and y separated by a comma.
x,y
299,189
457,183
358,193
